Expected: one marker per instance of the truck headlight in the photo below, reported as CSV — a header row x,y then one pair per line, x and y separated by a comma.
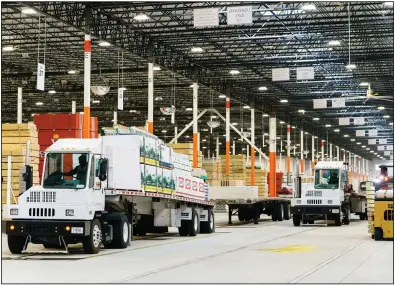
x,y
69,212
14,212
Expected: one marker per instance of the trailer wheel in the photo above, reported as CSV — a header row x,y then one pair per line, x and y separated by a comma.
x,y
280,212
92,242
296,220
274,214
311,222
121,232
242,215
194,224
287,211
208,227
378,234
347,216
16,243
183,230
338,220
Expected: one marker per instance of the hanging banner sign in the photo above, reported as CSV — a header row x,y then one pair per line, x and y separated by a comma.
x,y
372,141
372,133
387,153
338,103
319,103
344,121
205,17
304,73
382,141
280,74
40,76
120,98
239,15
360,133
359,121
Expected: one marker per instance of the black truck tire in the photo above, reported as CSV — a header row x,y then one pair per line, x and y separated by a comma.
x,y
121,235
378,234
183,230
274,214
209,226
338,221
280,212
287,211
92,242
16,243
194,224
242,215
296,220
347,216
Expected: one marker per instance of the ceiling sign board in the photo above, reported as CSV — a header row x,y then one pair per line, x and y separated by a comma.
x,y
382,141
205,17
239,15
338,103
319,103
304,73
40,76
344,121
280,74
360,133
372,133
120,98
359,121
390,147
372,141
380,147
387,153
385,147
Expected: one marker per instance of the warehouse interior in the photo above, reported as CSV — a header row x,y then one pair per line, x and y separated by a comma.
x,y
279,86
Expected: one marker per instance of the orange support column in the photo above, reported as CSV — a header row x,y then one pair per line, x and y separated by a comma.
x,y
87,88
227,143
312,155
252,147
301,153
272,157
195,126
288,148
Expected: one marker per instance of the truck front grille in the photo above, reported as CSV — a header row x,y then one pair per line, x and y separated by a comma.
x,y
41,212
314,201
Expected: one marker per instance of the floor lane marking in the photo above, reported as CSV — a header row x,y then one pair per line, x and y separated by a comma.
x,y
319,266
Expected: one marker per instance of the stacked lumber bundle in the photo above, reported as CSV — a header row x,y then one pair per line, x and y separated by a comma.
x,y
370,196
213,169
260,181
237,169
217,183
187,149
14,139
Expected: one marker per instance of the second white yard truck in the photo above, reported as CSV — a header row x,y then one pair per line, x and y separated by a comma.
x,y
101,192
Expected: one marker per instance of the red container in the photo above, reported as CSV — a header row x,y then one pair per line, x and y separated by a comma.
x,y
44,121
45,137
76,121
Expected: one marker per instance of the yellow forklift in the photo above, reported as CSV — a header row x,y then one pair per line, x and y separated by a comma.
x,y
384,206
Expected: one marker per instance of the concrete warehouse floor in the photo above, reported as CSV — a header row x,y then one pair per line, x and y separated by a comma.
x,y
271,252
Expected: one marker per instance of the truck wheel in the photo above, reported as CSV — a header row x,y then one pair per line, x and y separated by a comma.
x,y
311,222
194,224
92,242
347,216
121,232
378,234
274,214
280,212
16,243
296,220
241,215
208,227
287,211
338,221
183,230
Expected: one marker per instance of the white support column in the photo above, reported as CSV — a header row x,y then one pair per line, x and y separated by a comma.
x,y
350,162
322,150
19,108
330,152
176,133
359,168
151,97
301,153
252,147
337,153
87,87
234,148
312,154
263,139
227,142
272,157
288,148
73,107
115,118
9,173
248,153
195,126
217,147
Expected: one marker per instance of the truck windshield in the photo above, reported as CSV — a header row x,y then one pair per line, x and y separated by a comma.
x,y
326,179
66,170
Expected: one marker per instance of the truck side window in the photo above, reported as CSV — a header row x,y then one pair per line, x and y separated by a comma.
x,y
92,173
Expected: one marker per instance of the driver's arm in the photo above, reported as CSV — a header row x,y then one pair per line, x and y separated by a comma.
x,y
71,172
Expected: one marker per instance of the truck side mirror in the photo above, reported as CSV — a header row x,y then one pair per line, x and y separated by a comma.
x,y
103,167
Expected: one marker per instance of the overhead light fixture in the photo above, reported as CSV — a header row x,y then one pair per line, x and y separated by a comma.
x,y
28,11
351,66
334,43
328,126
309,7
266,134
71,72
283,101
364,84
386,116
156,68
265,115
234,72
133,111
358,143
246,107
346,136
293,127
368,148
336,130
95,101
164,131
196,49
187,137
222,96
263,88
391,123
381,108
204,140
51,91
204,147
234,124
301,111
213,117
375,152
8,48
353,140
281,122
372,151
141,17
39,103
104,44
220,143
188,109
364,146
316,119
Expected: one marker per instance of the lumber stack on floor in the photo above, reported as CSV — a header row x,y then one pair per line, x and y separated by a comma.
x,y
187,148
213,169
237,169
14,139
260,181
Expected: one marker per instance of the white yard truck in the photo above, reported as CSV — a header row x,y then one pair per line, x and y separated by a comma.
x,y
331,197
122,185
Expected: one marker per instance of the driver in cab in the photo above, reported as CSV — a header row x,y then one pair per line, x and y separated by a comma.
x,y
334,179
80,170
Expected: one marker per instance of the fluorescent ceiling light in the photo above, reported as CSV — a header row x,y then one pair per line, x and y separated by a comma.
x,y
364,84
222,96
351,66
221,144
51,91
334,43
266,134
358,143
328,126
156,68
96,101
301,111
265,115
204,140
281,122
141,17
353,140
104,44
234,72
71,72
364,146
308,7
263,88
346,136
316,119
8,48
386,116
368,148
213,117
391,123
28,11
196,49
234,124
133,111
39,103
122,88
283,101
246,107
293,127
336,130
188,109
372,151
204,147
187,137
381,108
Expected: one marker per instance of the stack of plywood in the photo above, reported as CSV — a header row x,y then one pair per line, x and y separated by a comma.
x,y
260,181
187,149
370,193
237,169
213,169
14,139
